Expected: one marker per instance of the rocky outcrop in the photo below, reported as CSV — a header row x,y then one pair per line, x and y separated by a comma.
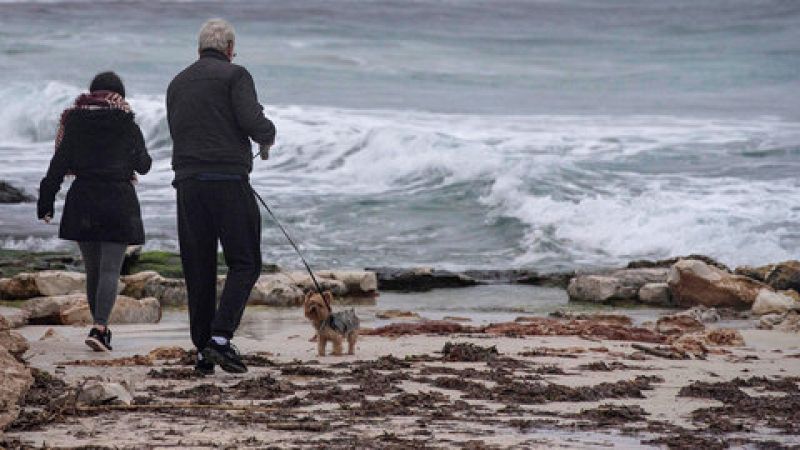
x,y
656,294
74,310
56,282
15,380
419,279
693,282
785,275
96,394
667,263
10,194
619,285
770,302
20,287
678,324
788,322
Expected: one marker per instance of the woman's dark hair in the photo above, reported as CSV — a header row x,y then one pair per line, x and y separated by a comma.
x,y
107,81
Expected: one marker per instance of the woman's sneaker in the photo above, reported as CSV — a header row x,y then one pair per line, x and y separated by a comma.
x,y
225,355
99,341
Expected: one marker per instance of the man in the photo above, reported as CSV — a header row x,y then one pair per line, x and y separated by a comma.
x,y
213,112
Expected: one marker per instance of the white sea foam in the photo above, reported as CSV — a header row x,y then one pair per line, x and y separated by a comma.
x,y
582,190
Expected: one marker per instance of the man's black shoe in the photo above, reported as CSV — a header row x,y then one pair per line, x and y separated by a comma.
x,y
99,341
204,366
225,355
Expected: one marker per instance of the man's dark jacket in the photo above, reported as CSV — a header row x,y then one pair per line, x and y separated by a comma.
x,y
213,111
103,148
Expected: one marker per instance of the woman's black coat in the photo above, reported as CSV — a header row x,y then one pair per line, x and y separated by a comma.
x,y
103,148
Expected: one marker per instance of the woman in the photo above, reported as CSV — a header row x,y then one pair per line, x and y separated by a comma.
x,y
99,143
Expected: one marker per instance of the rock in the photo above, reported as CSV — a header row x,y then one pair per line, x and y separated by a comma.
x,y
135,284
10,194
57,282
678,324
168,291
15,317
47,310
163,353
771,302
397,314
304,282
667,263
275,291
790,323
655,294
132,254
768,321
15,380
694,282
104,394
52,334
785,275
703,314
20,287
74,310
14,343
126,310
756,273
355,281
724,336
617,285
419,279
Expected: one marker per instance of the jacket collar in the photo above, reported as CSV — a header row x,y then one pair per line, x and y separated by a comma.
x,y
213,53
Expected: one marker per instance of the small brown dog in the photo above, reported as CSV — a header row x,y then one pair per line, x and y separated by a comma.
x,y
330,326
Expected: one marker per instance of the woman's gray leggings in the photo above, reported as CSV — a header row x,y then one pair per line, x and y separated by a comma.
x,y
103,261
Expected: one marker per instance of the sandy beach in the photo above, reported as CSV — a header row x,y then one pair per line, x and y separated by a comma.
x,y
405,392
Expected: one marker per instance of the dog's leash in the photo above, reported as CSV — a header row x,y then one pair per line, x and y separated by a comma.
x,y
300,254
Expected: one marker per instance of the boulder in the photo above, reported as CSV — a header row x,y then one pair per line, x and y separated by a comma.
x,y
617,285
20,287
355,281
168,291
768,321
703,314
10,194
790,323
275,291
15,380
74,310
304,282
785,275
14,343
655,294
135,284
14,317
756,273
126,310
47,310
678,324
57,282
97,394
419,279
693,282
771,302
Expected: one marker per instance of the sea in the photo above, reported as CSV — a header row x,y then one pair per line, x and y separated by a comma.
x,y
544,134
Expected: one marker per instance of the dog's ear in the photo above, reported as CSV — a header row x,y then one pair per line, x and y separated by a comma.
x,y
328,297
307,297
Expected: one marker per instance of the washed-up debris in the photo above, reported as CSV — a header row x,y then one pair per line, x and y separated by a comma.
x,y
567,352
612,415
135,360
468,352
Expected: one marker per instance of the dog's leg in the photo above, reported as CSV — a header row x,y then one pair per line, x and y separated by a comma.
x,y
337,346
351,342
321,341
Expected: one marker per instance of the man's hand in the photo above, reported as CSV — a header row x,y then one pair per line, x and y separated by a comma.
x,y
47,218
263,150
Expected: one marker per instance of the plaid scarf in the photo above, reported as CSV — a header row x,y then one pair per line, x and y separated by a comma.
x,y
92,100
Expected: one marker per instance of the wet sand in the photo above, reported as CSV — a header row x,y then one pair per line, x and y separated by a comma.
x,y
419,392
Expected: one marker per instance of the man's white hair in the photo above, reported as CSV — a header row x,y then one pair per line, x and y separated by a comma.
x,y
216,34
